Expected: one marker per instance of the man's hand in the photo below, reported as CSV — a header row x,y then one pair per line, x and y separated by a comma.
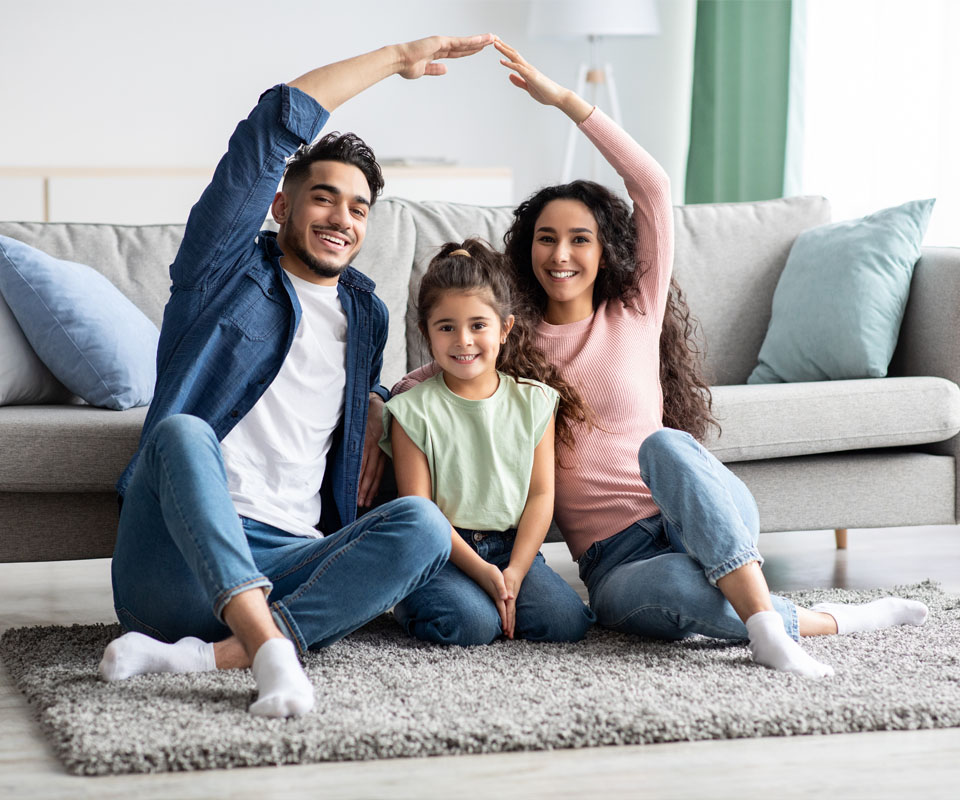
x,y
418,58
374,459
334,84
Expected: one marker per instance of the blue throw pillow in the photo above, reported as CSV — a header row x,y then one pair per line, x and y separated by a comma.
x,y
840,300
89,335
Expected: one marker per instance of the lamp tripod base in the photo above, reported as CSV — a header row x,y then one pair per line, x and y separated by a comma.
x,y
595,77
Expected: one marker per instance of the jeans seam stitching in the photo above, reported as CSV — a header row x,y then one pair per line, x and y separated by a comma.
x,y
217,609
296,634
746,556
313,556
176,502
660,607
159,636
334,559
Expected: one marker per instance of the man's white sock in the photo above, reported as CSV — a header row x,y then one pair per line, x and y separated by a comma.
x,y
136,654
771,646
284,688
884,613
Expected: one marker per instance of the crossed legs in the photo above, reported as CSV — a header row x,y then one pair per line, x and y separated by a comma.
x,y
695,567
187,571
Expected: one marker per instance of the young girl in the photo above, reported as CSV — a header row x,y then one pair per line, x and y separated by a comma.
x,y
478,439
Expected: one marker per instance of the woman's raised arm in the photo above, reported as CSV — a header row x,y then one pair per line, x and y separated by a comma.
x,y
644,179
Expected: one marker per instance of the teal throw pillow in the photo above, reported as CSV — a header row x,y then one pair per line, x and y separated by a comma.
x,y
94,340
840,300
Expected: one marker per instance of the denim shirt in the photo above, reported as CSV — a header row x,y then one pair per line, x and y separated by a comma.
x,y
233,312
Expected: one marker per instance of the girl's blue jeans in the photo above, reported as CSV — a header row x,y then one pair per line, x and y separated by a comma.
x,y
453,609
658,577
183,552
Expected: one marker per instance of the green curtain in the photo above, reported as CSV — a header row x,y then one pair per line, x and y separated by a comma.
x,y
738,123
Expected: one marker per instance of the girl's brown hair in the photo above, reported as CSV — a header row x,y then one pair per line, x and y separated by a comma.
x,y
486,272
687,402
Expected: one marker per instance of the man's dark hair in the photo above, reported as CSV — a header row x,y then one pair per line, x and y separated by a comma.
x,y
347,148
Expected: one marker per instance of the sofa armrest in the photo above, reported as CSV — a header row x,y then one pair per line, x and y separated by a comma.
x,y
929,342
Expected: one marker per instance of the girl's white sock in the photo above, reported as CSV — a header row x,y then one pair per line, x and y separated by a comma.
x,y
884,613
771,646
136,654
284,688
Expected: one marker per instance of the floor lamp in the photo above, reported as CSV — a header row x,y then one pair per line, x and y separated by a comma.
x,y
593,19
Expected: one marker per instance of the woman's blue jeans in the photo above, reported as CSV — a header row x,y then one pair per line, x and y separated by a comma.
x,y
183,552
658,577
453,609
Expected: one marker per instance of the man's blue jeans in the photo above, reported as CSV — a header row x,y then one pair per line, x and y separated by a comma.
x,y
658,577
183,552
453,609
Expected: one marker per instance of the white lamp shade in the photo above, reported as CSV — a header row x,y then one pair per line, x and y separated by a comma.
x,y
576,19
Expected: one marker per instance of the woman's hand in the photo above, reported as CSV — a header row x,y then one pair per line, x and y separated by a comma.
x,y
540,87
529,78
418,58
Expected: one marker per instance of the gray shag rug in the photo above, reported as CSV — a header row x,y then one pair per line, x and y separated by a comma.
x,y
382,695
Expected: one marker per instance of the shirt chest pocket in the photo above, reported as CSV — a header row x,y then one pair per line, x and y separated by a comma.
x,y
259,311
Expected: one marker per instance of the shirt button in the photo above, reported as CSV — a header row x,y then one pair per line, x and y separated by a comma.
x,y
234,413
262,381
270,290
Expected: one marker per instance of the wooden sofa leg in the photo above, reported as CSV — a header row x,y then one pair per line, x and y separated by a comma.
x,y
841,534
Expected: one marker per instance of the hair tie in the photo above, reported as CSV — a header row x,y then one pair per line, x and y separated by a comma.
x,y
460,252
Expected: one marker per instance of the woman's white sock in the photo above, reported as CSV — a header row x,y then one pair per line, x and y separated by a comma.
x,y
771,646
136,654
884,613
284,688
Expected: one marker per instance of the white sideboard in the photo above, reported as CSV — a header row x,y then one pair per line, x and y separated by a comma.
x,y
146,195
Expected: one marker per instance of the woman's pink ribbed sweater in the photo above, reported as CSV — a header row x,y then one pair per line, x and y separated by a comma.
x,y
613,358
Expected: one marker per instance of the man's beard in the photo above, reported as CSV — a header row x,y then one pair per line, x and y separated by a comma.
x,y
322,268
295,241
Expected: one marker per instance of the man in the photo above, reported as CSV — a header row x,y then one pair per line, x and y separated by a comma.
x,y
268,365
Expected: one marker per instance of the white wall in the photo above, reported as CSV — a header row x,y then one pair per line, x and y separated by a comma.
x,y
880,115
129,82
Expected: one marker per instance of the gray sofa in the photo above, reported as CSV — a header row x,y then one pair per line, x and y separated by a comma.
x,y
840,454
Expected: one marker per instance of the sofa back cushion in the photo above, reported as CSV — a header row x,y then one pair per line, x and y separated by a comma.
x,y
729,257
728,260
134,258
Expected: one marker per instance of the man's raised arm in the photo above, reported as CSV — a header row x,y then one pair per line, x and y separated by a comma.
x,y
334,84
230,212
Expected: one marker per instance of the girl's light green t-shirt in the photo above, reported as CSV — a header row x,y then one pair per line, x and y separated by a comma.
x,y
480,452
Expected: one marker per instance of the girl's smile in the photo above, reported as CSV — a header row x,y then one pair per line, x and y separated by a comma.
x,y
465,335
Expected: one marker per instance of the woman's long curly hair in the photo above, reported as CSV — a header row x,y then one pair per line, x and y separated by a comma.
x,y
485,273
687,401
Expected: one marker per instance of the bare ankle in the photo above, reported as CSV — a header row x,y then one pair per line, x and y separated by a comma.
x,y
231,654
815,623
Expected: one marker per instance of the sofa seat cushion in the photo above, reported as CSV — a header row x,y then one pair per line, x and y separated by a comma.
x,y
66,448
796,419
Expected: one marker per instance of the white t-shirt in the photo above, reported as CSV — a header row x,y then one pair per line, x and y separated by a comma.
x,y
276,455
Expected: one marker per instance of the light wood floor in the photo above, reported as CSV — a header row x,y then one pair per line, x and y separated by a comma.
x,y
876,765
